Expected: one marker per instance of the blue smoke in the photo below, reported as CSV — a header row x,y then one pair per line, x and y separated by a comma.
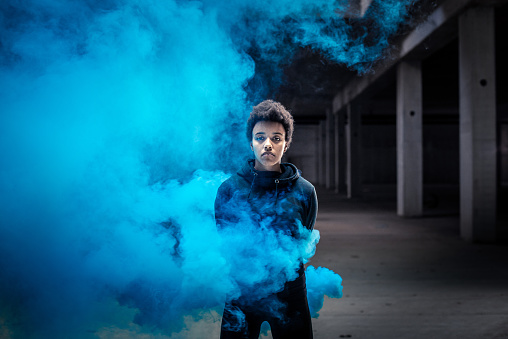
x,y
320,282
119,119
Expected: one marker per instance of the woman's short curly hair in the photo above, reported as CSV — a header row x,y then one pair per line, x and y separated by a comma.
x,y
270,110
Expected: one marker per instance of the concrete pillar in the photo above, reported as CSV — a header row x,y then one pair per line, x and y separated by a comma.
x,y
336,131
409,139
340,153
322,153
318,155
477,125
353,151
330,152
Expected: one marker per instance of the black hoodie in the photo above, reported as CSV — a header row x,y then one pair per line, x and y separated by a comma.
x,y
286,199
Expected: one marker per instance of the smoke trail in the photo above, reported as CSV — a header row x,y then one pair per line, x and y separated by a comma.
x,y
321,281
118,121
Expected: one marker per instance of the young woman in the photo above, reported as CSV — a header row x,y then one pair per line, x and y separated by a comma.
x,y
277,195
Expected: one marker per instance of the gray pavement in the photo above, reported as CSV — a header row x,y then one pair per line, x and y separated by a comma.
x,y
407,278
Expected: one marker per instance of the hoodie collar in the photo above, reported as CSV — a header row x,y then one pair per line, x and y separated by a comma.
x,y
269,178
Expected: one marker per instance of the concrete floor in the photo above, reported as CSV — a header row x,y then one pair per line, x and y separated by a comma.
x,y
407,278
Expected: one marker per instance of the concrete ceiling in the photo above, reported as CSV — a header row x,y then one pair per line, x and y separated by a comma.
x,y
314,84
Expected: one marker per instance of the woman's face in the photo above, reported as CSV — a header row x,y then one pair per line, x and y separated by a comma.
x,y
268,144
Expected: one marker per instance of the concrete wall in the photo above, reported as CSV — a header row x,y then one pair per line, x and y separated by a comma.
x,y
379,154
303,152
440,154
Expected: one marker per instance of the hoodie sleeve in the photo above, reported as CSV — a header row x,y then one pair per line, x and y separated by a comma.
x,y
220,206
312,210
226,212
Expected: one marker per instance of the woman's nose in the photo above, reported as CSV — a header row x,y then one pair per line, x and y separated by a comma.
x,y
268,144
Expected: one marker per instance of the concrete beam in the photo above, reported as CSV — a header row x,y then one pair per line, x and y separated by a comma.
x,y
438,29
414,43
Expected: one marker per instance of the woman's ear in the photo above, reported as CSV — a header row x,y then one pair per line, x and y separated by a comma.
x,y
251,147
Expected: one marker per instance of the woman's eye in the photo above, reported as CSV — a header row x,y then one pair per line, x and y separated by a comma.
x,y
276,139
260,138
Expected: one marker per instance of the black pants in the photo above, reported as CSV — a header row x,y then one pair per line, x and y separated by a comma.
x,y
291,321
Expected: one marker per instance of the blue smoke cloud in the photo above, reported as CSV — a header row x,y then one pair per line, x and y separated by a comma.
x,y
321,281
119,119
